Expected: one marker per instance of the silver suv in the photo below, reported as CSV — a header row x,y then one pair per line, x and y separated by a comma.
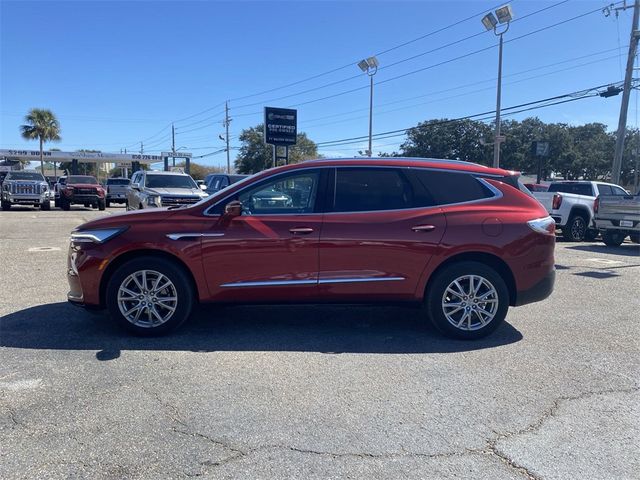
x,y
162,189
25,188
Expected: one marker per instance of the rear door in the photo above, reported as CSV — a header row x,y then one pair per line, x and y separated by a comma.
x,y
378,234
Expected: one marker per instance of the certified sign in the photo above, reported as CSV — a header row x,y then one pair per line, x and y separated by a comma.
x,y
280,126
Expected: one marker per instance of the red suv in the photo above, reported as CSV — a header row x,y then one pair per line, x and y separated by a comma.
x,y
462,240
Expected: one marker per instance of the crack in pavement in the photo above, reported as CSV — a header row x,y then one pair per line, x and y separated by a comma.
x,y
493,449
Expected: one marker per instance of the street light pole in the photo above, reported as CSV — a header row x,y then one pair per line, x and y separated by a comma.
x,y
370,67
500,21
498,139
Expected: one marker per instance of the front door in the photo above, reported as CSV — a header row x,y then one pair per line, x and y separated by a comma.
x,y
377,236
270,252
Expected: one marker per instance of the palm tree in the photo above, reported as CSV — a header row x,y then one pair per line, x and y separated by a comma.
x,y
43,125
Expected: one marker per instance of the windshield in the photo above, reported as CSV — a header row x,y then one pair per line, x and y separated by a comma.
x,y
576,188
118,181
25,176
82,179
170,181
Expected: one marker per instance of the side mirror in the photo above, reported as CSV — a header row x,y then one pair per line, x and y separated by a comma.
x,y
203,186
233,209
135,186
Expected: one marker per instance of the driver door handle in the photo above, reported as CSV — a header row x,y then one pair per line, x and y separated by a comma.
x,y
301,230
423,228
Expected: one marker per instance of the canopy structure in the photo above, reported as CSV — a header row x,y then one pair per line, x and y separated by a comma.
x,y
128,160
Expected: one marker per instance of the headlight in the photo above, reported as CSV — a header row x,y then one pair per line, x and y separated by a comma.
x,y
95,236
154,201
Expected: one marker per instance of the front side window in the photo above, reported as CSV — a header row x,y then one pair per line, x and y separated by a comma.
x,y
371,189
295,194
619,191
605,190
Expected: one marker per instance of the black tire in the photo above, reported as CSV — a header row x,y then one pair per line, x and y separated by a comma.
x,y
438,286
107,203
576,228
65,204
140,207
46,205
56,203
101,205
612,238
6,206
590,235
635,237
173,272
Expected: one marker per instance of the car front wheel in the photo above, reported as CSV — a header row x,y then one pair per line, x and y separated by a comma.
x,y
149,296
467,300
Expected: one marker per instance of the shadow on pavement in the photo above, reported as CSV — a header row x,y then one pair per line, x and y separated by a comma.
x,y
312,328
626,249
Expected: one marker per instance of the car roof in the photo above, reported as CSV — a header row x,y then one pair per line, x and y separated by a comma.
x,y
437,163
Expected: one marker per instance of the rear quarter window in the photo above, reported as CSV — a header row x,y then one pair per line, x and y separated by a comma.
x,y
443,188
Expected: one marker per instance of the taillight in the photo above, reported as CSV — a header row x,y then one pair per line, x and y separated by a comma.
x,y
546,225
596,205
557,201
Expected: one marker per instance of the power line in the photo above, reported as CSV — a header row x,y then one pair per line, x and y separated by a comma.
x,y
573,95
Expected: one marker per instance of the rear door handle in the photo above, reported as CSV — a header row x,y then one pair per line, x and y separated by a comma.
x,y
423,228
301,230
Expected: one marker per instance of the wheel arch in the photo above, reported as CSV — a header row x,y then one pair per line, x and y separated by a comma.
x,y
488,259
582,211
133,254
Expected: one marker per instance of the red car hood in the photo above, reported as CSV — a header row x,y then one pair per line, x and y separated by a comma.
x,y
128,218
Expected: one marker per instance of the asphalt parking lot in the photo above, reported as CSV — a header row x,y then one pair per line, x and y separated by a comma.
x,y
316,391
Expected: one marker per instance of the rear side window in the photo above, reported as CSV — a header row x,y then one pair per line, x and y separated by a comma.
x,y
371,189
443,188
577,188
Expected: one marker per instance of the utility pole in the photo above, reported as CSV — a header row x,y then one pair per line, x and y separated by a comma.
x,y
173,144
141,148
626,93
227,121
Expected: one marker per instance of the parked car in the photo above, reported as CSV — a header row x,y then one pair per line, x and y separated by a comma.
x,y
117,190
570,204
463,240
162,189
617,216
21,187
537,187
218,181
57,190
81,190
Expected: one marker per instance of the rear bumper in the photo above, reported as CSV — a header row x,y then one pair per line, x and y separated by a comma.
x,y
539,291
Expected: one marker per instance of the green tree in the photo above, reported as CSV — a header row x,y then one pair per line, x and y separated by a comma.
x,y
41,124
198,171
255,155
452,139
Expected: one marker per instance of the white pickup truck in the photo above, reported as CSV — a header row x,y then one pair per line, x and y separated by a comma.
x,y
617,216
570,204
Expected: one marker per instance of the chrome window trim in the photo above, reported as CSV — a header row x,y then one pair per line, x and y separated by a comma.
x,y
276,283
497,193
180,236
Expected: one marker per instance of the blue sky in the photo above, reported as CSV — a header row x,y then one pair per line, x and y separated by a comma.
x,y
116,73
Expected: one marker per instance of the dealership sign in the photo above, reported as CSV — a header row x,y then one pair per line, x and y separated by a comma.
x,y
55,156
280,126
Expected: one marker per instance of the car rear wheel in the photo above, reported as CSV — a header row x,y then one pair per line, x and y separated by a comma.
x,y
467,300
149,296
107,203
613,239
635,237
575,229
6,206
65,204
46,205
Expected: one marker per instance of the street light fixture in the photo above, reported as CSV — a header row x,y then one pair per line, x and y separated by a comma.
x,y
370,67
499,23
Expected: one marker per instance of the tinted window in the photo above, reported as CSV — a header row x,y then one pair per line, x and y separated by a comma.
x,y
82,179
25,176
619,191
170,181
577,188
442,188
370,189
118,181
291,195
605,190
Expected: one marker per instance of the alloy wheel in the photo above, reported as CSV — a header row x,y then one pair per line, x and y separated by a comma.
x,y
470,302
147,298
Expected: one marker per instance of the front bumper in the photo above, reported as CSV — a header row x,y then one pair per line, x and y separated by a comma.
x,y
539,291
25,198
